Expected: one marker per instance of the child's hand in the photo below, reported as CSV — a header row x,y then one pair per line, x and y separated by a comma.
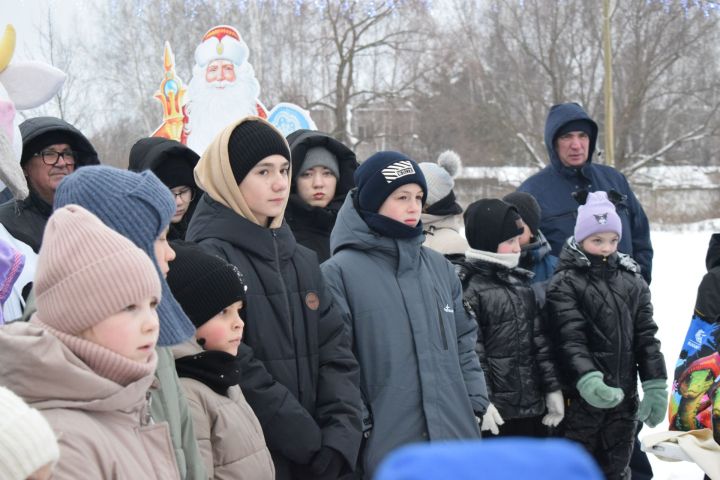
x,y
595,392
555,407
654,403
492,420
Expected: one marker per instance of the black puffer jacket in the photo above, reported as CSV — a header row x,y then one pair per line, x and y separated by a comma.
x,y
298,370
599,308
312,225
512,345
26,219
707,304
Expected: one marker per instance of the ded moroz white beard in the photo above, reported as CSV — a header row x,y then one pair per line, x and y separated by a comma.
x,y
211,109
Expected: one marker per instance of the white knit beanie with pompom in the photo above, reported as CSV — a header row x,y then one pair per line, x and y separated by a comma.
x,y
440,176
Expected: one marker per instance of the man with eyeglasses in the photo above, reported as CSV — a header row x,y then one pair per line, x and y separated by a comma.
x,y
173,163
52,150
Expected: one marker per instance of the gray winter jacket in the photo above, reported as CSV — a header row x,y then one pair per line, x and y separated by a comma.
x,y
420,376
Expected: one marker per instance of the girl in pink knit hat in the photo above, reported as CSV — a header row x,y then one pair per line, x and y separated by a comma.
x,y
87,357
599,308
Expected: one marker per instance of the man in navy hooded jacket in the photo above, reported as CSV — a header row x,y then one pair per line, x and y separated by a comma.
x,y
570,137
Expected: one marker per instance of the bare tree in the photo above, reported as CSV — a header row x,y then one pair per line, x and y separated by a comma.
x,y
367,59
530,55
62,51
660,106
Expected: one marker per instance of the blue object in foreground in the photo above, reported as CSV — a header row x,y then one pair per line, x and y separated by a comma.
x,y
494,459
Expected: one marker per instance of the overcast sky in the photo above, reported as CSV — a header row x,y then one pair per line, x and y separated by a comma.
x,y
28,16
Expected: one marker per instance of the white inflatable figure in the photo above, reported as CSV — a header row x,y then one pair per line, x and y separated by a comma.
x,y
288,117
223,87
23,85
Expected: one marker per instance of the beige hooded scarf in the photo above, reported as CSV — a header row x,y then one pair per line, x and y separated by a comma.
x,y
214,175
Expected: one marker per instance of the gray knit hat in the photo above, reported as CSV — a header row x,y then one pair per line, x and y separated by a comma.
x,y
138,206
440,176
320,157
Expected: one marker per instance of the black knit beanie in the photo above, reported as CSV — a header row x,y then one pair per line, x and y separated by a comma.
x,y
203,284
579,125
489,222
528,208
250,142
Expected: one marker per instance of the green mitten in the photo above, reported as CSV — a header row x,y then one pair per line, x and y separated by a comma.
x,y
596,392
654,403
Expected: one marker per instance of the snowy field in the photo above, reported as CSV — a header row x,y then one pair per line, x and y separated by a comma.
x,y
678,267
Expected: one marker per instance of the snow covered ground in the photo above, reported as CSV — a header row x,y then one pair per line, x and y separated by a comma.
x,y
678,267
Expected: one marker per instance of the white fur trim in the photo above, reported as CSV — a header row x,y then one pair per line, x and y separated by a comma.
x,y
228,49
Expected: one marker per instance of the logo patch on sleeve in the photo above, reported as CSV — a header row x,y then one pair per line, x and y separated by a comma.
x,y
312,301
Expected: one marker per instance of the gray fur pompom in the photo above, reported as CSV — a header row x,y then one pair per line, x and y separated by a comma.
x,y
450,161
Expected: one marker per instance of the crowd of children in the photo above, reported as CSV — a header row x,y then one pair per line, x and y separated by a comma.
x,y
230,352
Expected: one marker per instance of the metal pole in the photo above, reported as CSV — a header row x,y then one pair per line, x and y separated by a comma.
x,y
609,153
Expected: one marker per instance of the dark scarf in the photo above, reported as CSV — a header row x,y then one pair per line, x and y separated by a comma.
x,y
445,206
300,214
386,226
34,200
218,370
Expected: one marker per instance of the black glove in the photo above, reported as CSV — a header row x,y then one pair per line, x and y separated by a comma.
x,y
327,464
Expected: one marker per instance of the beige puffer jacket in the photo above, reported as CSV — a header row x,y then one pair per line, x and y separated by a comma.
x,y
103,428
442,234
229,435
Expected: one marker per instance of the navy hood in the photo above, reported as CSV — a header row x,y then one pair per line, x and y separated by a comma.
x,y
558,116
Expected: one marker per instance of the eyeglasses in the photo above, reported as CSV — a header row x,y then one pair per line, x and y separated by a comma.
x,y
186,194
51,157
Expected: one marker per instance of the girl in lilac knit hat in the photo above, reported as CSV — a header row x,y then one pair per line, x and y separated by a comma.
x,y
599,309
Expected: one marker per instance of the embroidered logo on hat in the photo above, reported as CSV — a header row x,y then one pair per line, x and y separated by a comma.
x,y
397,170
601,219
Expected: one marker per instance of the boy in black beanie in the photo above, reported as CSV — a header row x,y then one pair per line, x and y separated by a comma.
x,y
299,372
212,294
513,348
535,253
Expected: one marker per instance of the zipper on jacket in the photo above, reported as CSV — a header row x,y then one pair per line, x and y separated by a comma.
x,y
606,277
442,329
619,327
145,416
288,309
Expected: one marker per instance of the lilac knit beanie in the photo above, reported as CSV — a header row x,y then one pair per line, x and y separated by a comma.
x,y
598,215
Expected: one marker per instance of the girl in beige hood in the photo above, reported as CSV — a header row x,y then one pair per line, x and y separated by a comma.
x,y
298,371
86,358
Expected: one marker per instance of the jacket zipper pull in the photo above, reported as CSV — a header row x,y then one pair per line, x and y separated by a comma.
x,y
145,416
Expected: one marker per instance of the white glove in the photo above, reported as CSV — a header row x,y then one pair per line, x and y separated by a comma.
x,y
555,407
492,420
